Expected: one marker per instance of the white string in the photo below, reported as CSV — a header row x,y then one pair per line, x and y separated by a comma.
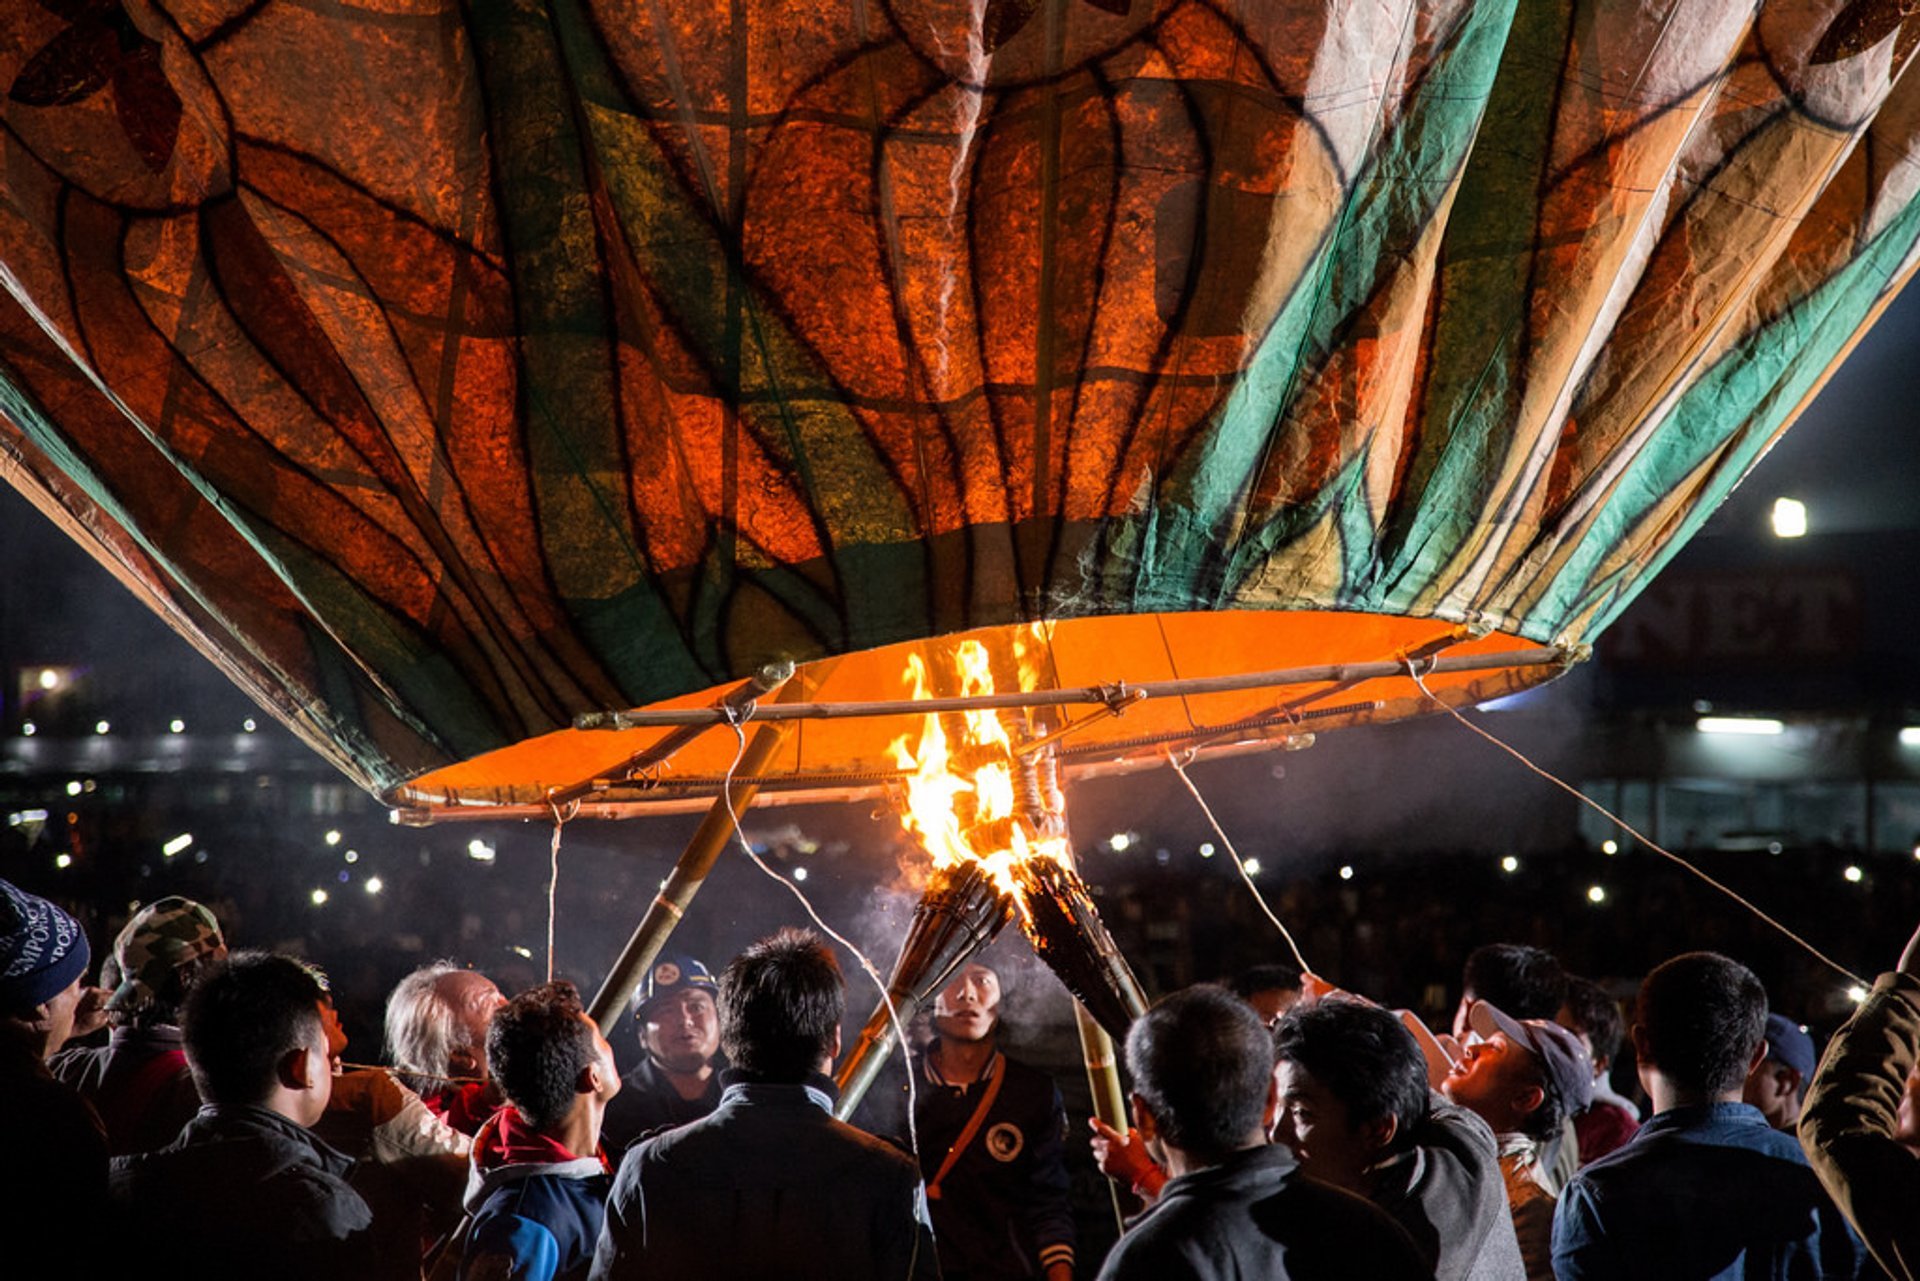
x,y
886,997
1238,866
1628,828
553,875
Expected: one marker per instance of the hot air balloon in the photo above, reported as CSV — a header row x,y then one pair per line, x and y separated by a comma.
x,y
447,373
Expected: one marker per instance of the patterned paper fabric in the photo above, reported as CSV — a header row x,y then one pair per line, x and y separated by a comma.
x,y
444,370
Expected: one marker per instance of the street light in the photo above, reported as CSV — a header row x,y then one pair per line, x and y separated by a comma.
x,y
1789,518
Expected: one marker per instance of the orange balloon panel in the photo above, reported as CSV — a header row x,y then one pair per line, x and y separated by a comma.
x,y
848,755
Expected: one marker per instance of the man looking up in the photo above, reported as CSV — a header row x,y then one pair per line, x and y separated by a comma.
x,y
1522,1077
1235,1205
1706,1189
258,1050
770,1184
991,1145
538,1187
678,1078
437,1022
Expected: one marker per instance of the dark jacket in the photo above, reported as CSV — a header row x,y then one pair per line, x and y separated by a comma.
x,y
770,1185
1704,1193
242,1192
1847,1125
1256,1215
1447,1191
55,1154
138,1082
535,1207
1001,1211
648,1103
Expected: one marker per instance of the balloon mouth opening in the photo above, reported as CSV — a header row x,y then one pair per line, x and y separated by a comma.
x,y
1129,689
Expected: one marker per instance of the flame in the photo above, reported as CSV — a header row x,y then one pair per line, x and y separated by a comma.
x,y
962,797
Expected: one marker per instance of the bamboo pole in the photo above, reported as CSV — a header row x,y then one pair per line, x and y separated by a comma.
x,y
1342,674
1103,1082
735,702
688,875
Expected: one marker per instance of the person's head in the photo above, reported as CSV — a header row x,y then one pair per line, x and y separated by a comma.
x,y
157,956
255,1036
1698,1027
678,1019
43,964
1353,1087
1779,1084
1521,1076
1525,982
548,1056
1202,1067
437,1022
1593,1016
968,1008
781,1002
1271,990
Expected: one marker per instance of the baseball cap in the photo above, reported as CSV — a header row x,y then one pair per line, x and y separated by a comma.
x,y
1788,1043
672,973
162,936
1569,1068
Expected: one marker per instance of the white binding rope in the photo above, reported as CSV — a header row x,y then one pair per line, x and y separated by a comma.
x,y
1414,671
1238,866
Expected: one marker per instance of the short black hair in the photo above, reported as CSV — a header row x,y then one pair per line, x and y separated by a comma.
x,y
242,1017
1591,1009
1264,978
1546,1120
1365,1056
1521,982
1202,1061
781,1002
537,1046
1705,1014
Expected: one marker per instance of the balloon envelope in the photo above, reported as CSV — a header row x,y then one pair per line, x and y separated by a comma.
x,y
445,371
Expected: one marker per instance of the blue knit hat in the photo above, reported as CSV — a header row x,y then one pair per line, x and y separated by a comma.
x,y
42,950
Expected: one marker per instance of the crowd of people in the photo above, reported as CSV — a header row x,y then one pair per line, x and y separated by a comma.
x,y
191,1112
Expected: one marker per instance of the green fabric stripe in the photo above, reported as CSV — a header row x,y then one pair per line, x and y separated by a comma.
x,y
1743,399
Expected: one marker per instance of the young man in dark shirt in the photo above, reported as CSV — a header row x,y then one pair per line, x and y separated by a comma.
x,y
257,1045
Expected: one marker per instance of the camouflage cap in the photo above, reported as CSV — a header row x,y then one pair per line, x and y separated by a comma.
x,y
162,936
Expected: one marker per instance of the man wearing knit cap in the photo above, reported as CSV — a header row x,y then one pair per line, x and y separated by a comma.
x,y
55,1146
138,1080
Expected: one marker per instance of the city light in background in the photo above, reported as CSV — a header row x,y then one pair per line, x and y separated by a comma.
x,y
1789,518
1751,725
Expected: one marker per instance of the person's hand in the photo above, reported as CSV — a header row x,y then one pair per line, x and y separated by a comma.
x,y
90,1015
1123,1158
